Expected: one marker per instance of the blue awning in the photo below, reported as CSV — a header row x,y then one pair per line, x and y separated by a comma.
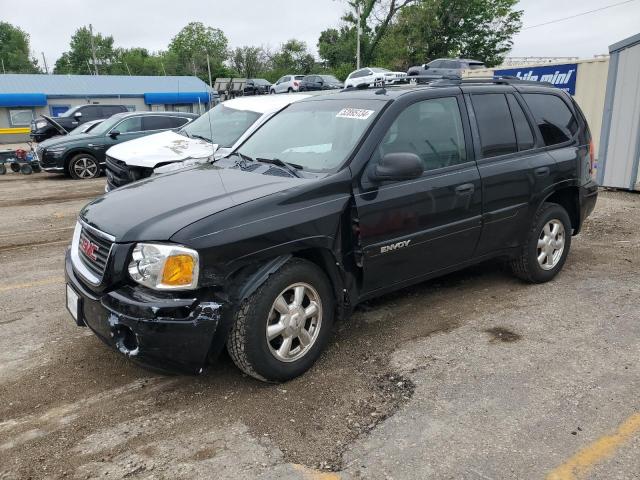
x,y
172,98
23,99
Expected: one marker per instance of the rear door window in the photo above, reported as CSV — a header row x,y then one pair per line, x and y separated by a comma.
x,y
177,121
524,134
497,134
91,112
555,121
156,122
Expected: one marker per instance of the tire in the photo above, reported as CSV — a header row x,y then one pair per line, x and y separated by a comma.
x,y
248,342
542,255
26,169
15,167
289,90
36,167
3,169
272,92
83,167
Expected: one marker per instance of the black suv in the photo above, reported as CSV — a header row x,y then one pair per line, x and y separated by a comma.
x,y
47,127
261,251
82,156
256,86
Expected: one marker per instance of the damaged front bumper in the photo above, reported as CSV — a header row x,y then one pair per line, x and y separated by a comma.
x,y
168,332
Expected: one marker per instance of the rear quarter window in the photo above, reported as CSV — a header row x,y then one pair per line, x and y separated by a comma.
x,y
555,120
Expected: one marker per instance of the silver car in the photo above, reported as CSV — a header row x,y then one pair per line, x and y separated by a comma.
x,y
287,84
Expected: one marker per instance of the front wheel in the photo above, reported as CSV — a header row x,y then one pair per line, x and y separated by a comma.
x,y
281,329
289,90
547,245
83,167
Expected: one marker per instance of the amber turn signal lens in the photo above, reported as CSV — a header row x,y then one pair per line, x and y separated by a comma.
x,y
178,270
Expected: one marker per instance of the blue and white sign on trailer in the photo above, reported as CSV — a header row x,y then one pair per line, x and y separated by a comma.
x,y
562,76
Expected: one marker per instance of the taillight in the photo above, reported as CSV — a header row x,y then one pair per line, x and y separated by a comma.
x,y
295,84
592,159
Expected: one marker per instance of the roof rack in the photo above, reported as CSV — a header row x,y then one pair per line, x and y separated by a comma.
x,y
450,80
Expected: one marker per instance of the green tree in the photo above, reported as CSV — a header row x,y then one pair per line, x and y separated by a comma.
x,y
191,46
136,61
14,50
79,58
479,29
249,62
292,57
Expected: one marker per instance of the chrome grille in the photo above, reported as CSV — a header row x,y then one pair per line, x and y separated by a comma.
x,y
96,245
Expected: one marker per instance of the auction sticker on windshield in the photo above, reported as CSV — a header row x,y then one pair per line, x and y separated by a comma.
x,y
359,113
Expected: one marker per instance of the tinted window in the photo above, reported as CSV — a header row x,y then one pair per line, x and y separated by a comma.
x,y
131,124
90,113
299,77
178,121
556,122
497,135
436,64
360,73
451,64
432,129
111,110
156,123
524,134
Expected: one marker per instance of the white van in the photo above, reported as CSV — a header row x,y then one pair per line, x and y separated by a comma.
x,y
216,132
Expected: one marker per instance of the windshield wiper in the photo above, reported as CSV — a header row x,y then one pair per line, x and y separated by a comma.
x,y
208,140
292,168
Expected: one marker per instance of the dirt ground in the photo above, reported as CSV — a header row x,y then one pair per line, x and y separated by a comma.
x,y
474,375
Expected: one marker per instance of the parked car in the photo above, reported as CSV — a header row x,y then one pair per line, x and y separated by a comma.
x,y
46,127
256,86
320,82
444,67
85,127
264,249
373,76
287,84
82,156
217,131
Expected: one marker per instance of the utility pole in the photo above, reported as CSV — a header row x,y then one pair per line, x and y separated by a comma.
x,y
193,62
162,64
93,50
125,64
209,70
358,36
3,70
44,60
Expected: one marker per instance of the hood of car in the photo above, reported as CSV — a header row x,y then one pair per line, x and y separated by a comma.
x,y
159,149
155,208
67,140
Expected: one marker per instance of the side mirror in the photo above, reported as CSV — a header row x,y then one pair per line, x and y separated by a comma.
x,y
77,115
114,133
397,167
425,66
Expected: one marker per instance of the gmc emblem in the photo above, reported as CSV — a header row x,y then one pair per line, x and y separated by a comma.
x,y
89,248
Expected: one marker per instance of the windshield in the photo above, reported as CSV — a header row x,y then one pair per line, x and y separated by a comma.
x,y
319,136
222,125
476,66
84,128
106,125
260,81
71,111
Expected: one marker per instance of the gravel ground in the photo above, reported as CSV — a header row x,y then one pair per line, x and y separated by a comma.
x,y
474,375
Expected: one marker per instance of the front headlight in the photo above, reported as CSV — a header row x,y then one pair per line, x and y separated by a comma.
x,y
164,267
41,124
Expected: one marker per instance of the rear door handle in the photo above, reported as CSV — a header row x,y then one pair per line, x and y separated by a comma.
x,y
542,171
465,189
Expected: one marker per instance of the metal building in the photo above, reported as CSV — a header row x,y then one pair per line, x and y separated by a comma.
x,y
620,136
25,96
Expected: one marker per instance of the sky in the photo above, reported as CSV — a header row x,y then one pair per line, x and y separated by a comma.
x,y
152,23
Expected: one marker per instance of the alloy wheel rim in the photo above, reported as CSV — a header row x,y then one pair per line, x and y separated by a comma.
x,y
550,244
85,168
294,322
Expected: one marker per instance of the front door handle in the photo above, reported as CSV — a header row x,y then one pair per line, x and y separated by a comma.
x,y
465,189
542,171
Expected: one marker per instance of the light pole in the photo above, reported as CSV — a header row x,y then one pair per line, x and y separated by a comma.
x,y
359,31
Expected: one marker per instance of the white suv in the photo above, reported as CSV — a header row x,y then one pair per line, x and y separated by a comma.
x,y
373,76
287,84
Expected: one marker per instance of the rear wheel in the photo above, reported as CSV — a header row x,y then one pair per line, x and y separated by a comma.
x,y
289,90
15,167
26,169
83,166
281,329
547,245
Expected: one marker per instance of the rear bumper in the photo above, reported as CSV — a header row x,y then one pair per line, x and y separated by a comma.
x,y
588,196
164,332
